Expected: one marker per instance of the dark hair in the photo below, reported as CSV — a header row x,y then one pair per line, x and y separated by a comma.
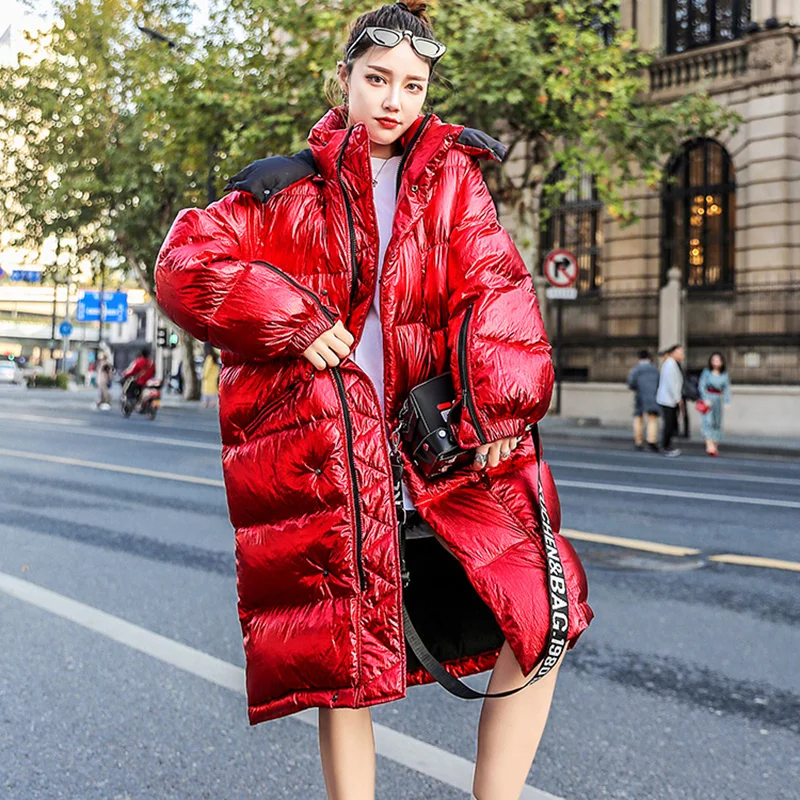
x,y
210,351
145,352
411,16
644,354
674,348
722,358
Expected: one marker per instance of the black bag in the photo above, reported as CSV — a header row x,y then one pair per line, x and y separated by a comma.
x,y
428,418
427,421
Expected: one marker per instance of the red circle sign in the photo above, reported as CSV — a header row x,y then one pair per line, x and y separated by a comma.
x,y
561,268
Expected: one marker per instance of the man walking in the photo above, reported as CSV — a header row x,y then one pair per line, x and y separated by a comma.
x,y
643,380
670,397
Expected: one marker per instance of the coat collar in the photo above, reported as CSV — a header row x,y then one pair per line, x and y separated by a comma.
x,y
335,147
331,140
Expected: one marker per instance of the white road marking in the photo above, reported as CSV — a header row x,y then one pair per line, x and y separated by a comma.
x,y
419,756
46,420
756,561
632,544
617,541
788,461
106,434
671,493
76,462
647,471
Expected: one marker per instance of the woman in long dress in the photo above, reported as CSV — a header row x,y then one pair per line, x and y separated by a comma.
x,y
715,388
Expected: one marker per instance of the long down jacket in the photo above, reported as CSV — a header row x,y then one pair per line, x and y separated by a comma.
x,y
261,274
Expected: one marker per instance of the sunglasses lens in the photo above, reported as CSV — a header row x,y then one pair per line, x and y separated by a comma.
x,y
385,37
427,48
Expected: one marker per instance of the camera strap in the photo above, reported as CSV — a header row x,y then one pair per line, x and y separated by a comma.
x,y
558,631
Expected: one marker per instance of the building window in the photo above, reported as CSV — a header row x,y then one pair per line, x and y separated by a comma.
x,y
573,224
699,214
699,23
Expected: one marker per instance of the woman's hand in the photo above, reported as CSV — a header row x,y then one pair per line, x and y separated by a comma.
x,y
495,451
331,348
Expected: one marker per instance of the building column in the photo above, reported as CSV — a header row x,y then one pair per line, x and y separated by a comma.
x,y
670,311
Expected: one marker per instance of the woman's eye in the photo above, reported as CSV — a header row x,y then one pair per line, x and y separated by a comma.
x,y
377,78
415,87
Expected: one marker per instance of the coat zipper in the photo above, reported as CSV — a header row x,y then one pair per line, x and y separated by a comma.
x,y
350,224
348,425
407,151
464,371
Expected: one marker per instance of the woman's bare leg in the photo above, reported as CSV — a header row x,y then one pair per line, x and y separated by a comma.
x,y
510,730
347,751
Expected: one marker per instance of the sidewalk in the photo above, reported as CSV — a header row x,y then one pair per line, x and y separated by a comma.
x,y
589,432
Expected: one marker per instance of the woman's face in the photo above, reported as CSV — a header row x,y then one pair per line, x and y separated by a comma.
x,y
716,362
386,90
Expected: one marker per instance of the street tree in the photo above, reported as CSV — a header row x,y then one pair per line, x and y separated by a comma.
x,y
124,111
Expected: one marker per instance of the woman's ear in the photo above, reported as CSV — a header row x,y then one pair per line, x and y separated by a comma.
x,y
342,76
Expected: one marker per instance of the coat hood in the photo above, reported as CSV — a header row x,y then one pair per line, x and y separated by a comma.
x,y
331,141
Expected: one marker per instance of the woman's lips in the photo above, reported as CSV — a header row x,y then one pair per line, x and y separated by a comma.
x,y
388,123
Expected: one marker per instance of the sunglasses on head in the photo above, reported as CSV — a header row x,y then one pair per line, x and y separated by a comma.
x,y
388,37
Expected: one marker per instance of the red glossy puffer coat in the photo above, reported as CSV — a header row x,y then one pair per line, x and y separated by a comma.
x,y
261,274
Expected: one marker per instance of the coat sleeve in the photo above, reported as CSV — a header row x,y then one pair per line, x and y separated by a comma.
x,y
212,282
499,353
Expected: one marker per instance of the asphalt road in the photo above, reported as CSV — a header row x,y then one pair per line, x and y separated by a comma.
x,y
686,685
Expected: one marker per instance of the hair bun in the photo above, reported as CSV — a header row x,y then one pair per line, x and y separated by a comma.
x,y
416,7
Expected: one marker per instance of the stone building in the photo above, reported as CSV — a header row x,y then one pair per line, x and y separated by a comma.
x,y
714,260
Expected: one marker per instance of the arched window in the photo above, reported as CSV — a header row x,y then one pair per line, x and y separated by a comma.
x,y
699,212
698,23
574,224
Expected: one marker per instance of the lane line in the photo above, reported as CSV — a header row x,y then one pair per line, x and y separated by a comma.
x,y
131,437
647,471
47,420
665,492
616,541
633,544
789,460
424,758
756,561
76,462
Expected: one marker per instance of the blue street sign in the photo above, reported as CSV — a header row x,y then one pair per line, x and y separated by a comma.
x,y
29,275
116,307
1,272
65,328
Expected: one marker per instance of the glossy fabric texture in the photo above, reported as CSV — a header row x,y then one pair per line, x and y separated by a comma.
x,y
305,452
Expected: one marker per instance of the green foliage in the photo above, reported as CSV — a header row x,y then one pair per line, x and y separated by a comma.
x,y
59,381
105,132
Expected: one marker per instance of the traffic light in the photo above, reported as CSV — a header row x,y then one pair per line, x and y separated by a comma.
x,y
162,337
173,340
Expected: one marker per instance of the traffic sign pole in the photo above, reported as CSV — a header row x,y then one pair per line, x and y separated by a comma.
x,y
560,267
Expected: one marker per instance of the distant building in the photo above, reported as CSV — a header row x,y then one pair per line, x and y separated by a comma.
x,y
728,221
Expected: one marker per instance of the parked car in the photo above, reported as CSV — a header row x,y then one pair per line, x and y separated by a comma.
x,y
10,372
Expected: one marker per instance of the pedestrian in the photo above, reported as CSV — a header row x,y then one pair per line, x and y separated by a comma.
x,y
103,376
670,397
334,281
643,380
210,376
714,388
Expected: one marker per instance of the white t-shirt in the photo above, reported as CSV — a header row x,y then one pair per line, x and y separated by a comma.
x,y
369,353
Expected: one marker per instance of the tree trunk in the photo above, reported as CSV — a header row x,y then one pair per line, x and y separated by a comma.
x,y
191,383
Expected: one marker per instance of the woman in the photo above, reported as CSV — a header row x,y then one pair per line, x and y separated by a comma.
x,y
210,376
103,376
714,387
334,281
